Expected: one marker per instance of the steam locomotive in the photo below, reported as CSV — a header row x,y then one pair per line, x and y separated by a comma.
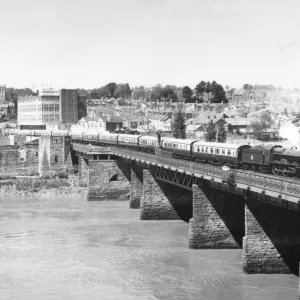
x,y
267,159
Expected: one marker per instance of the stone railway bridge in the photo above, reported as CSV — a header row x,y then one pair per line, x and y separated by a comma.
x,y
256,212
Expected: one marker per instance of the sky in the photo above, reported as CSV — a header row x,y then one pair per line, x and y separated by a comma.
x,y
89,43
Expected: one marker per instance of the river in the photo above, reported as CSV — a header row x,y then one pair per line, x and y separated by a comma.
x,y
68,248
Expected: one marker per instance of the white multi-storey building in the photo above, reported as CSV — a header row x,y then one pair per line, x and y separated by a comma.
x,y
39,112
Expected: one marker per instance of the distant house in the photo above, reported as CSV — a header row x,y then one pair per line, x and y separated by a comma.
x,y
160,122
238,124
113,123
95,124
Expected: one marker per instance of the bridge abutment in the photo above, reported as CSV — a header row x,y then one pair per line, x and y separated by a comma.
x,y
136,188
106,181
272,240
155,201
217,221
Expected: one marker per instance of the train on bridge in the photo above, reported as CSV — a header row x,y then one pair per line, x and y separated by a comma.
x,y
262,158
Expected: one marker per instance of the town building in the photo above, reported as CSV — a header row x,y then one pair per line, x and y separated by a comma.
x,y
113,123
39,112
68,99
82,106
91,124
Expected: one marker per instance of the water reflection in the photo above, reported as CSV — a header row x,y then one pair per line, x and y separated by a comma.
x,y
73,249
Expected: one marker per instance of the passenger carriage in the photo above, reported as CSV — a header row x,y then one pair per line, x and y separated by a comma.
x,y
60,132
128,140
42,132
108,138
76,136
178,147
148,143
218,153
90,136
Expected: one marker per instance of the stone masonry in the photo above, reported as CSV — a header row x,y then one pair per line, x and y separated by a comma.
x,y
136,189
53,152
272,240
155,204
217,221
83,171
106,181
19,159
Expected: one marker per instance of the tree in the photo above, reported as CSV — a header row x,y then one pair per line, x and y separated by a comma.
x,y
214,87
156,92
263,122
208,87
139,92
111,87
219,94
200,88
210,132
187,93
128,91
221,134
168,93
178,127
246,86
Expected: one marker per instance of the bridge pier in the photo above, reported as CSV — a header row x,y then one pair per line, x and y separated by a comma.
x,y
272,240
217,221
155,201
83,171
136,188
106,181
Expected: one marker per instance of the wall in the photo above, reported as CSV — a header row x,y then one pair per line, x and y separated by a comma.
x,y
10,162
107,181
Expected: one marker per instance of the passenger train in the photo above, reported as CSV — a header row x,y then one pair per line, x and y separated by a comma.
x,y
262,158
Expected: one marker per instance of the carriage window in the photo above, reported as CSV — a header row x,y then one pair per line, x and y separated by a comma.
x,y
223,151
229,152
206,149
211,150
217,151
202,149
198,149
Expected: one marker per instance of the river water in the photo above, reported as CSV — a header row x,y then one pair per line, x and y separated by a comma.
x,y
63,248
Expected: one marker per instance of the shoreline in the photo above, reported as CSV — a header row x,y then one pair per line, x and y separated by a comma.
x,y
37,187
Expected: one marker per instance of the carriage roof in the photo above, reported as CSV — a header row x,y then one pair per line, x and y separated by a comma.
x,y
217,145
147,137
178,141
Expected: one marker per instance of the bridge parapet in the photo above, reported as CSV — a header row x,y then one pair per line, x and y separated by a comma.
x,y
284,188
91,149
